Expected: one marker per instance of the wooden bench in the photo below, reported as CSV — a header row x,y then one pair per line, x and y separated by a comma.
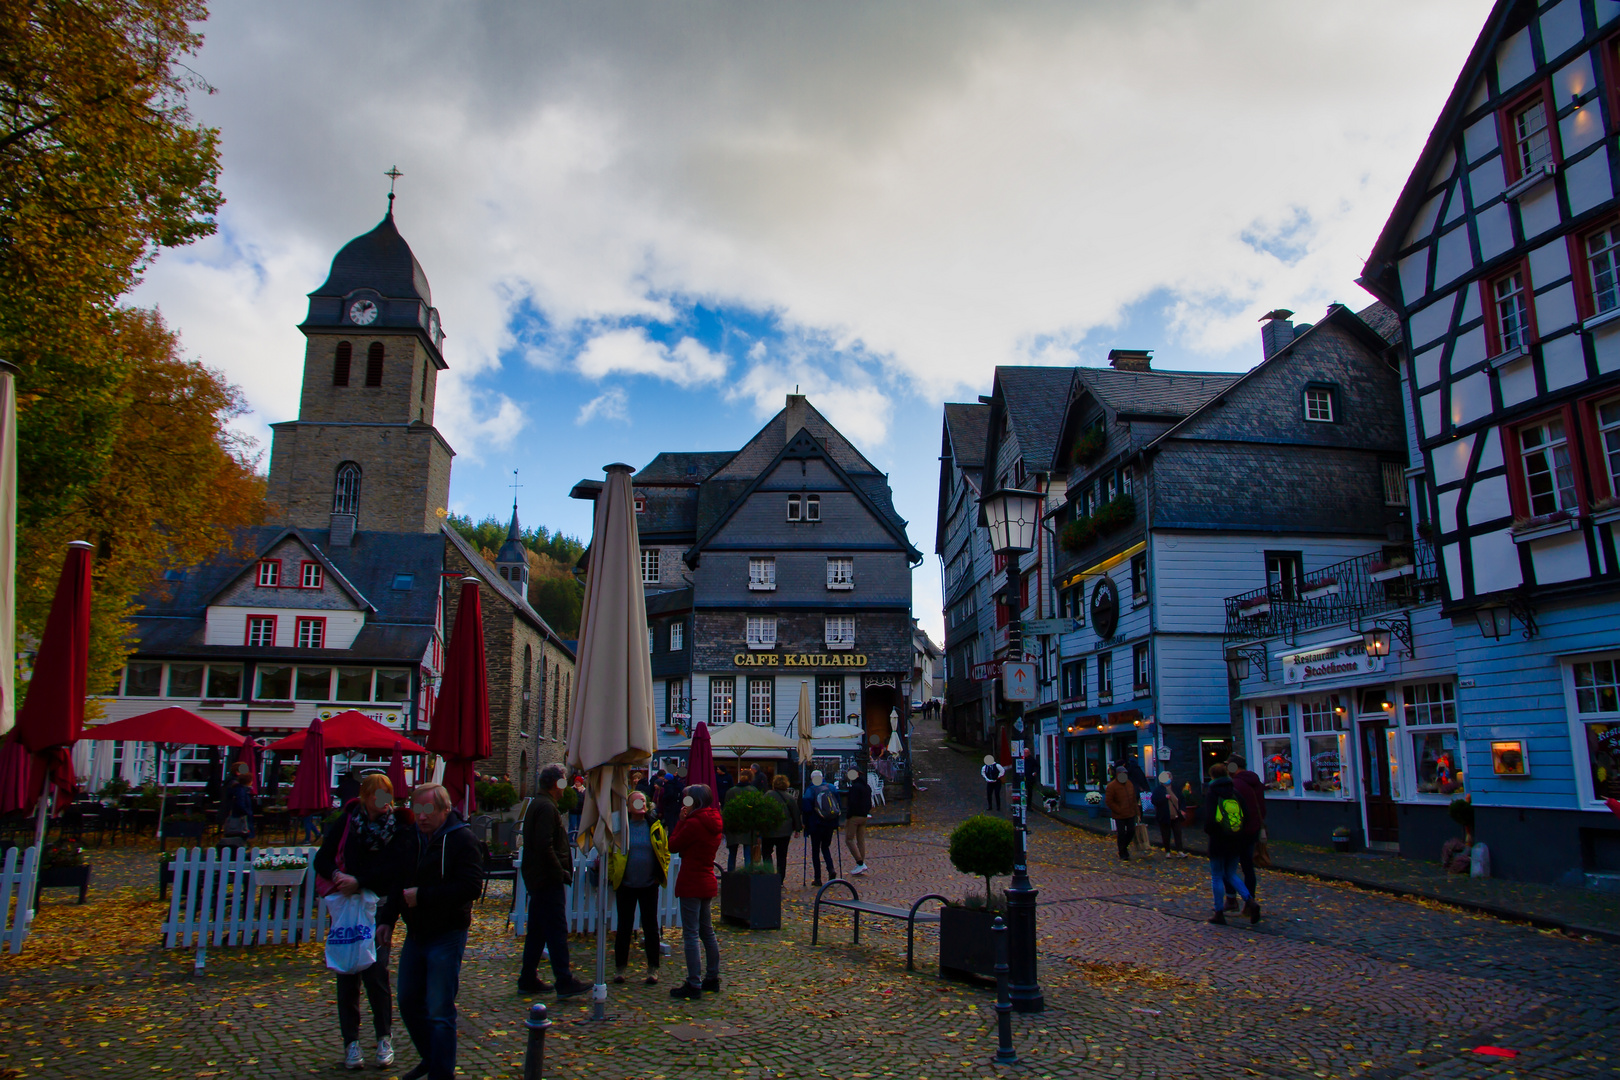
x,y
855,904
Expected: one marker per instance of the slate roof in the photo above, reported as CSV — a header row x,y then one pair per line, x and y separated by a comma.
x,y
1036,400
493,579
691,467
1154,393
967,424
381,260
1383,320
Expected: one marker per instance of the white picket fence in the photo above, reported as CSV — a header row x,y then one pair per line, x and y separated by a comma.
x,y
581,903
217,900
17,897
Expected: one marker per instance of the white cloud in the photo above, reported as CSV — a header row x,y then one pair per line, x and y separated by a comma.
x,y
611,404
475,421
630,352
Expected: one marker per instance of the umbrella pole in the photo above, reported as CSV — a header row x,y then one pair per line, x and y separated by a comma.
x,y
163,795
599,991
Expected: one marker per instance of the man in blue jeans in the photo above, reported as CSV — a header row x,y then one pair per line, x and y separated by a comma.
x,y
435,901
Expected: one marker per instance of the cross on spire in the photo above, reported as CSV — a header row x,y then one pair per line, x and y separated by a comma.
x,y
393,174
514,485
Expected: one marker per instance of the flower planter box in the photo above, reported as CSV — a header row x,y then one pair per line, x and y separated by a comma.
x,y
1538,528
1608,515
1392,572
967,945
751,900
294,876
1341,844
66,877
1318,593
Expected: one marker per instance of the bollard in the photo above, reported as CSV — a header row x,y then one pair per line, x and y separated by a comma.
x,y
1005,1054
534,1056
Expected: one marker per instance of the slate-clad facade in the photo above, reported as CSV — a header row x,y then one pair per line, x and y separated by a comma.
x,y
780,563
1500,259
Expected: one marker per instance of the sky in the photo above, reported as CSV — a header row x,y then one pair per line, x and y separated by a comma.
x,y
645,223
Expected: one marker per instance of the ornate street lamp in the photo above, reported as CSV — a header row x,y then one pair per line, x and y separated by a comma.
x,y
1012,516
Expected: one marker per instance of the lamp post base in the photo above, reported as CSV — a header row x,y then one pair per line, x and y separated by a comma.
x,y
1023,988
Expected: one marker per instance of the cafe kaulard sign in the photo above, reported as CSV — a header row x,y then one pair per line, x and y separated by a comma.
x,y
765,659
1331,663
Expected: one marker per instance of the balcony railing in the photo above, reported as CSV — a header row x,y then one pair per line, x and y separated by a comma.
x,y
1365,585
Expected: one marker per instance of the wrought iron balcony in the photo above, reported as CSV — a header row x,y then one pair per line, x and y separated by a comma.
x,y
1340,593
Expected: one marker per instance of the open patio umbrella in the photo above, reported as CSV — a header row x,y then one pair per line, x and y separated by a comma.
x,y
396,774
700,757
312,786
351,730
612,725
49,721
167,728
460,732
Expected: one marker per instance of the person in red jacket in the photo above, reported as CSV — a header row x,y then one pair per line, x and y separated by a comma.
x,y
697,836
1251,792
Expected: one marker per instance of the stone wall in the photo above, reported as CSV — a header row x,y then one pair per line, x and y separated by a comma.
x,y
405,474
399,400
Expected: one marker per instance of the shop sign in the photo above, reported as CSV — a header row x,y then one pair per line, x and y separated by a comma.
x,y
393,718
764,659
1334,663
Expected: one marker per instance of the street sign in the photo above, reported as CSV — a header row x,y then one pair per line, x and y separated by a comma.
x,y
987,671
1018,680
1038,627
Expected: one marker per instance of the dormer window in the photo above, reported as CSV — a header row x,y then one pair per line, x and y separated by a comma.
x,y
795,508
269,573
812,508
641,504
313,576
1319,404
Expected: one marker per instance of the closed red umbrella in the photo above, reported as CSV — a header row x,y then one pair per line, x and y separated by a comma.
x,y
460,732
700,758
16,768
250,758
49,721
396,775
312,787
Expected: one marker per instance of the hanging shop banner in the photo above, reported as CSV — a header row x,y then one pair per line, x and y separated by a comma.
x,y
1337,662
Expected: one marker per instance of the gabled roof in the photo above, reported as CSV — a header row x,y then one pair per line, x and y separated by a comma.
x,y
493,580
871,491
966,425
762,450
1378,273
336,575
1035,400
690,467
1168,394
1384,321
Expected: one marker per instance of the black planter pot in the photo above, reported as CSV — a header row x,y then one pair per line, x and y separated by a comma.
x,y
966,944
1341,843
66,877
752,900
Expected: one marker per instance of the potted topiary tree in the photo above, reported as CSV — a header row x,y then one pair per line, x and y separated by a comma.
x,y
983,846
62,866
752,896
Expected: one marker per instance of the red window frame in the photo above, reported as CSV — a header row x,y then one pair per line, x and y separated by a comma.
x,y
1487,297
1002,615
1609,70
1513,455
1509,137
309,620
1585,295
247,631
259,581
1597,469
999,564
303,573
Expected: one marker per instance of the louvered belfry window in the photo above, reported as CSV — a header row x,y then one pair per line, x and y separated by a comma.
x,y
340,365
374,362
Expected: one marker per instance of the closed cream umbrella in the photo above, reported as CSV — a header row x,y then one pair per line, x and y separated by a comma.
x,y
8,542
806,722
611,727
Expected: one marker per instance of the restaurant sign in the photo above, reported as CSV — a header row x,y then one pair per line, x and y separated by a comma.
x,y
1336,662
765,659
392,717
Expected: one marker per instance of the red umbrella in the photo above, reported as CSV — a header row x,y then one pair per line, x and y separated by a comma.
x,y
312,788
173,725
16,768
250,758
700,758
460,732
49,720
396,775
351,730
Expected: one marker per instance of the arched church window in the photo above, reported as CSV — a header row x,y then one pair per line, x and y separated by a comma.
x,y
346,491
374,359
340,366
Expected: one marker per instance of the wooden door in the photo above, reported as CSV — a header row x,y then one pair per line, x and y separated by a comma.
x,y
1377,787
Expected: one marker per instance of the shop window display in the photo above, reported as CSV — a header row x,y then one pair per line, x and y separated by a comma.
x,y
1324,753
1436,763
1597,704
1271,725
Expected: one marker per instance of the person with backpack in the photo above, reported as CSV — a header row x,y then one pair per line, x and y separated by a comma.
x,y
1252,791
792,822
1223,822
1167,812
992,774
821,813
1121,799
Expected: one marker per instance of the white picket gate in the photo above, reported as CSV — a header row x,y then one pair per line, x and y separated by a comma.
x,y
17,897
581,903
217,900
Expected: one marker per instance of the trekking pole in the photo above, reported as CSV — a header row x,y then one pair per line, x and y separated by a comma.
x,y
1005,1054
534,1056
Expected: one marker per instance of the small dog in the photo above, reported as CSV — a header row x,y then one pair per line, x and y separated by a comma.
x,y
1051,806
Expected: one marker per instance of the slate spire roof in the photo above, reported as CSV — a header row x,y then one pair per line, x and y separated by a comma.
x,y
381,260
512,550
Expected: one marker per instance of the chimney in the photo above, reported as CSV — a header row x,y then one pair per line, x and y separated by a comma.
x,y
1130,359
1277,333
794,415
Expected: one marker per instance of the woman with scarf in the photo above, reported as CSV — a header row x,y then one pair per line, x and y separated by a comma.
x,y
367,847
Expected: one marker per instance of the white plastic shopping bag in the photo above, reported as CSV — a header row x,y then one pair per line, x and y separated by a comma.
x,y
351,940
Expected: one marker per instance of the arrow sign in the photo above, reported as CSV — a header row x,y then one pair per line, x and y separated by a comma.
x,y
1018,680
1038,627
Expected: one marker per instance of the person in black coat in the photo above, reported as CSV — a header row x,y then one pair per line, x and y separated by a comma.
x,y
1225,844
858,807
444,874
669,800
368,847
547,868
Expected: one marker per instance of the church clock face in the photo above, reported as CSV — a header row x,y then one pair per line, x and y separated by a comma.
x,y
363,312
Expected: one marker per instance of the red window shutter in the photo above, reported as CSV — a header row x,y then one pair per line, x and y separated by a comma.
x,y
1518,497
1592,449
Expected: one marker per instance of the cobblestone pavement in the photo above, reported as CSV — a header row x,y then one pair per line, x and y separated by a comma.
x,y
1335,981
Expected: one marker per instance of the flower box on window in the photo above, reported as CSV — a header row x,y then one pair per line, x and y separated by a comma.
x,y
1386,571
1534,528
1319,588
1259,606
1531,180
1605,511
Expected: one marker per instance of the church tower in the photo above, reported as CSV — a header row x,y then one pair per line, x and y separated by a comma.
x,y
512,562
363,453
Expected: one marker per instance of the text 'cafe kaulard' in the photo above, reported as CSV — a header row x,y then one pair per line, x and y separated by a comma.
x,y
857,660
